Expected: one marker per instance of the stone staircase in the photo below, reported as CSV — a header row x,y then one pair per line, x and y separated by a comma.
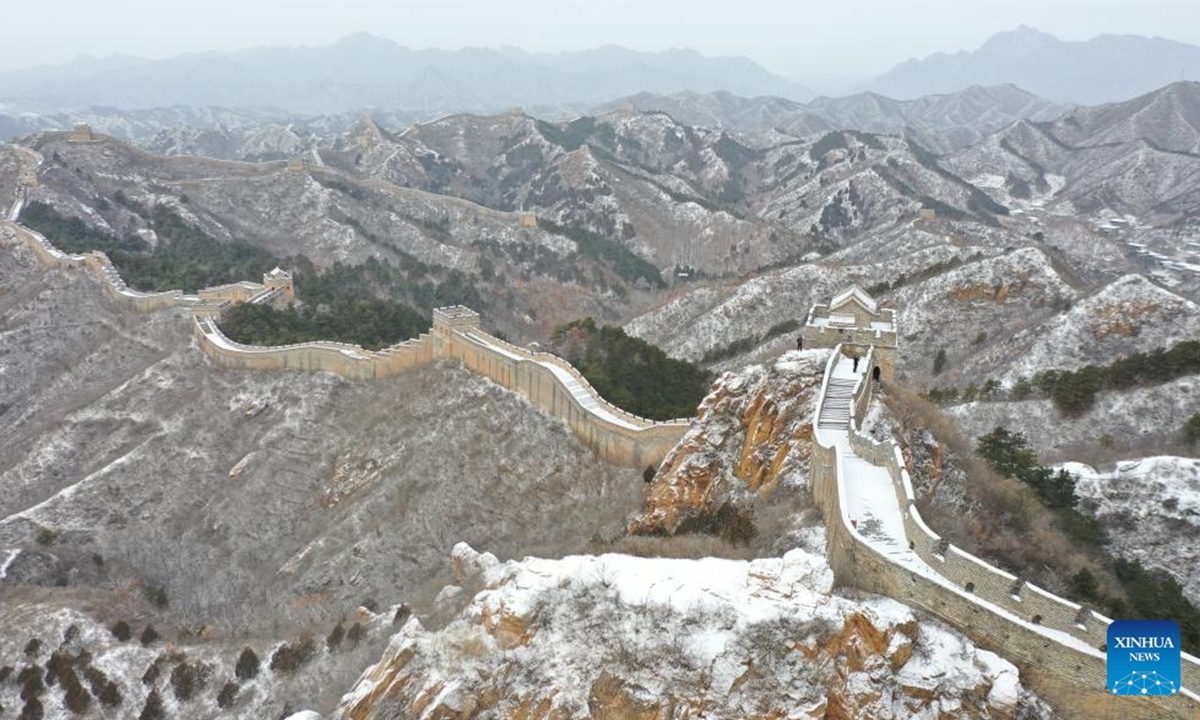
x,y
839,397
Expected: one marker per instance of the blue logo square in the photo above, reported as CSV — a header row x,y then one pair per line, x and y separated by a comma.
x,y
1143,657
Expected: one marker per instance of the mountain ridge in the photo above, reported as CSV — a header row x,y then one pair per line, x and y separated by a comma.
x,y
363,70
1103,69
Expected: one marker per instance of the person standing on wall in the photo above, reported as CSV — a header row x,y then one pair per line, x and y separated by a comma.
x,y
855,363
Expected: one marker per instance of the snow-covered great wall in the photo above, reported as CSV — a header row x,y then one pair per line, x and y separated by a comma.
x,y
878,542
876,539
547,381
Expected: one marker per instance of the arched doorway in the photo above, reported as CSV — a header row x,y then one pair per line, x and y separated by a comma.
x,y
876,373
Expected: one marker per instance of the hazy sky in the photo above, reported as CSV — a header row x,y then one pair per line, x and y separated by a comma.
x,y
791,37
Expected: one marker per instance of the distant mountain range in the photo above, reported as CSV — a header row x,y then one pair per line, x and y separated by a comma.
x,y
1108,68
363,71
940,122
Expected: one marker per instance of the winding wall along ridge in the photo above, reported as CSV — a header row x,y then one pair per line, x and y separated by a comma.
x,y
546,380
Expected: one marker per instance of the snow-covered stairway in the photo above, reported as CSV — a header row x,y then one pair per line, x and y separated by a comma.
x,y
839,397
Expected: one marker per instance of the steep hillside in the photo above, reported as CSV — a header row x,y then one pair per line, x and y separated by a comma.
x,y
528,276
621,637
1129,315
1132,158
1158,495
1131,423
262,504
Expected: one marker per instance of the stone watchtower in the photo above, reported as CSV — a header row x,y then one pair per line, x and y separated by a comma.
x,y
82,134
447,321
280,280
857,321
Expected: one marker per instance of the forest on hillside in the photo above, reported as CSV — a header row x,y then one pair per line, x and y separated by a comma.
x,y
630,372
373,304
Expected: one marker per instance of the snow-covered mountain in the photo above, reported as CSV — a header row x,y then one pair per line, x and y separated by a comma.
x,y
941,123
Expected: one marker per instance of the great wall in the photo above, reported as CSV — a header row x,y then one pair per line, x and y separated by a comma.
x,y
544,379
877,540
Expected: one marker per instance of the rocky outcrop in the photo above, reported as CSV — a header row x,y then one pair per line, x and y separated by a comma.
x,y
754,433
619,637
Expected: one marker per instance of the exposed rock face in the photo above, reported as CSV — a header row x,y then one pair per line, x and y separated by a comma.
x,y
639,638
754,433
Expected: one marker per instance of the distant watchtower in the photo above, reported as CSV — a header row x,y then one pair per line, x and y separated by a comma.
x,y
528,220
857,321
81,134
280,280
296,164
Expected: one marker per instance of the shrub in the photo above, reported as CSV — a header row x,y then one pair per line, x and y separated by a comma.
x,y
153,709
57,666
335,637
648,474
32,647
289,657
1083,585
33,710
75,697
152,673
403,613
6,672
189,678
30,680
970,394
110,695
121,631
228,695
46,536
991,390
156,595
730,350
1191,430
149,635
95,679
71,634
733,524
247,664
356,634
939,361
